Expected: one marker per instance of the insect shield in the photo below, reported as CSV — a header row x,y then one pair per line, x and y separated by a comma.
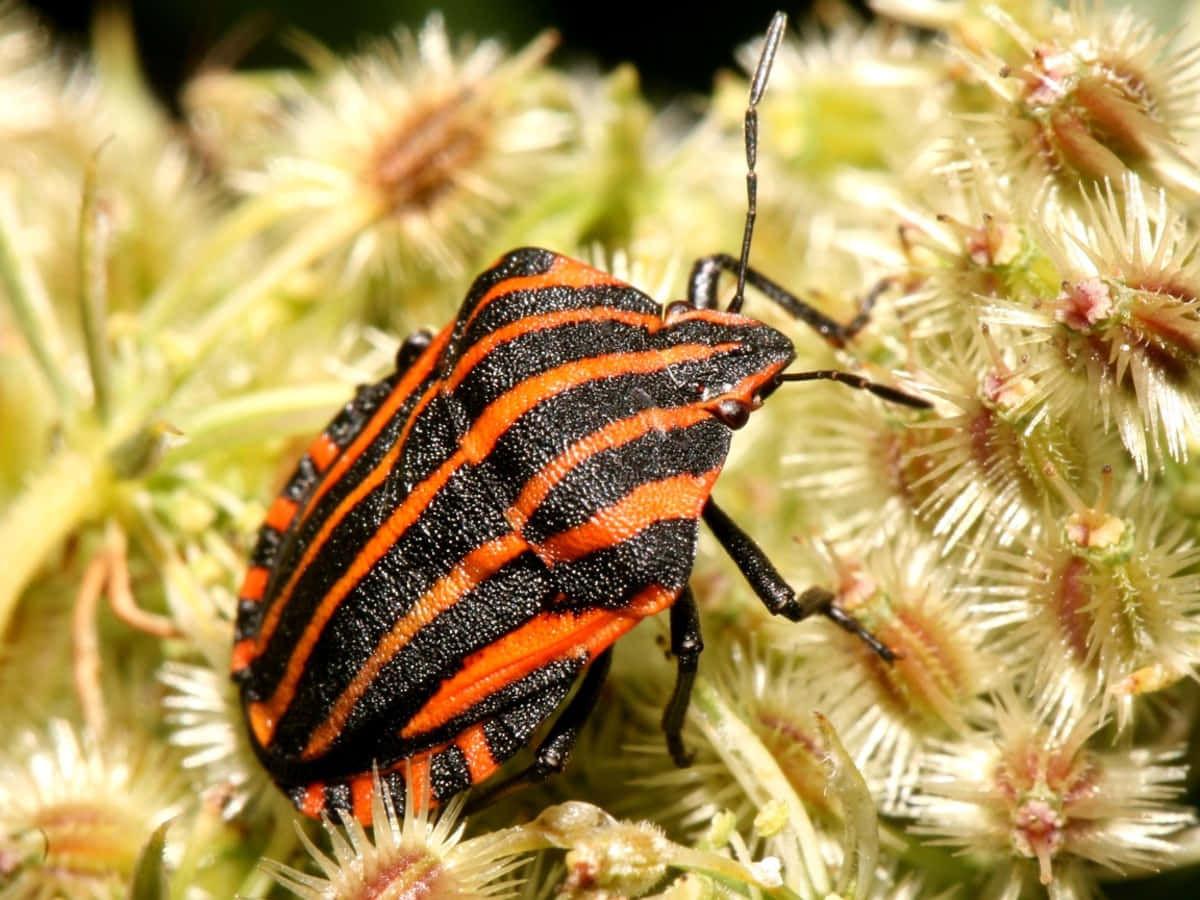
x,y
468,537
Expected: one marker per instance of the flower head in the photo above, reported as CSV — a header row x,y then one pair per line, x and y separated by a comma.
x,y
409,854
416,148
1091,95
1036,791
203,712
91,808
1102,603
885,711
1123,332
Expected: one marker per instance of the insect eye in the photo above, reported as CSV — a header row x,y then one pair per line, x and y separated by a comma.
x,y
733,413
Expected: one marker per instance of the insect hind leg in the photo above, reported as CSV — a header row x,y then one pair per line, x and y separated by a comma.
x,y
554,751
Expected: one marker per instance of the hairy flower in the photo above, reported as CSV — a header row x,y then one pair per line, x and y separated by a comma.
x,y
1092,95
1123,332
886,712
74,815
414,148
981,461
409,854
204,714
852,464
1030,790
1101,604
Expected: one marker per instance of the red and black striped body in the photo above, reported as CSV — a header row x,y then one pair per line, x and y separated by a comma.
x,y
468,534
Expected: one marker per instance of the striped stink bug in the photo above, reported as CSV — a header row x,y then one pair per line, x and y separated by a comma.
x,y
468,537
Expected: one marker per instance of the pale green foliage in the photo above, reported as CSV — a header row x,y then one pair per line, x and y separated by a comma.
x,y
181,306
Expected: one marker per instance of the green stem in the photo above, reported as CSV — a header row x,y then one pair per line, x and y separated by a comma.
x,y
19,282
761,778
51,506
861,841
64,493
93,289
321,237
242,225
277,411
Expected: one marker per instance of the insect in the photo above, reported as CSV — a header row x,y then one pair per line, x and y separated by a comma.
x,y
468,537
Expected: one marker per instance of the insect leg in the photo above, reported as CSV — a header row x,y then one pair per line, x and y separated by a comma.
x,y
554,751
891,394
706,274
774,592
686,645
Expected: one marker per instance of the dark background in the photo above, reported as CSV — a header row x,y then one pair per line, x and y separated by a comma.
x,y
674,51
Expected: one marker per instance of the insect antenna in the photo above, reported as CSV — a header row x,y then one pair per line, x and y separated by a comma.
x,y
758,85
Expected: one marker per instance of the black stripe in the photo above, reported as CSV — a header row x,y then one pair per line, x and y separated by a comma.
x,y
303,479
448,773
439,442
431,444
541,434
519,263
661,554
609,475
533,700
538,351
450,526
338,797
397,787
275,551
521,304
271,550
510,718
501,603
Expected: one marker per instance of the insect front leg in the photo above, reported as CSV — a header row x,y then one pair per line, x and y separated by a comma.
x,y
706,275
771,588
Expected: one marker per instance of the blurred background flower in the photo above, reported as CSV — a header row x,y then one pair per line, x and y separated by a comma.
x,y
200,259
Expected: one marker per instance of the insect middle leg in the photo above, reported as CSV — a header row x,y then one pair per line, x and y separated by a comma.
x,y
774,591
686,646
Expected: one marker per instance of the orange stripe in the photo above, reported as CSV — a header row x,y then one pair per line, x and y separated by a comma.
x,y
614,434
718,317
243,655
475,445
322,451
563,272
408,383
281,513
372,480
254,583
475,568
530,324
313,802
474,747
261,724
543,639
677,497
362,794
